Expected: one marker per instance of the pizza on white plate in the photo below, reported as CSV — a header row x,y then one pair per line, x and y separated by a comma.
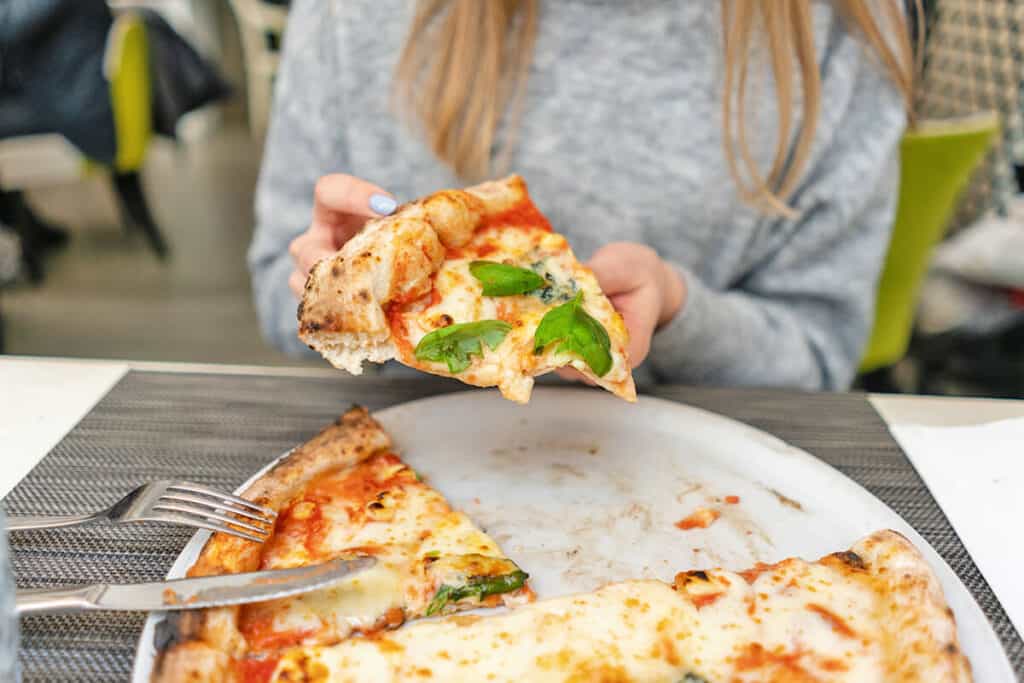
x,y
472,284
874,613
344,493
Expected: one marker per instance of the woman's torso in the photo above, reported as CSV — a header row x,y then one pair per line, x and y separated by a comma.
x,y
620,137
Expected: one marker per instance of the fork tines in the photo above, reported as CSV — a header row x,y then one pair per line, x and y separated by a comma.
x,y
207,508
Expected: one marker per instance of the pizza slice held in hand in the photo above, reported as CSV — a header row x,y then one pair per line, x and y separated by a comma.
x,y
471,284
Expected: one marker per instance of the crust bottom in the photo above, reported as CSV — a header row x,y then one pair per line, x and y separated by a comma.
x,y
349,351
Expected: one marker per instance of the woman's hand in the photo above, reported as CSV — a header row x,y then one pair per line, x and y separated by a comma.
x,y
646,290
341,205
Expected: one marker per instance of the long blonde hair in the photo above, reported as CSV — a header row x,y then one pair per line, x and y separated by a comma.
x,y
464,67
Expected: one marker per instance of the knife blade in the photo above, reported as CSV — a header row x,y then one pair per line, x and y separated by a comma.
x,y
195,593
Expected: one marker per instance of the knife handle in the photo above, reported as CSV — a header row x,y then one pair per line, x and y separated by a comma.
x,y
35,600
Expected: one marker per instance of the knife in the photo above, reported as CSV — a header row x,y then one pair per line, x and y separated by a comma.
x,y
182,594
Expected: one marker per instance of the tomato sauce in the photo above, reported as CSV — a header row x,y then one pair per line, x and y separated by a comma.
x,y
399,333
521,215
481,249
756,658
256,670
260,634
705,600
751,574
834,620
702,518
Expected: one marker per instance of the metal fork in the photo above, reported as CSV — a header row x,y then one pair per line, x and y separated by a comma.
x,y
177,502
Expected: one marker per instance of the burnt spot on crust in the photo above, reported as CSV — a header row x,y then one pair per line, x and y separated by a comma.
x,y
851,559
364,294
327,323
335,270
177,628
700,574
951,649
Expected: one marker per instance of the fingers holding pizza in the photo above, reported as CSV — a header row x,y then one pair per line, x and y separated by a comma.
x,y
342,204
643,288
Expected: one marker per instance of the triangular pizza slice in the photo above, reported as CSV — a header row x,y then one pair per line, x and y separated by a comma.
x,y
472,284
344,493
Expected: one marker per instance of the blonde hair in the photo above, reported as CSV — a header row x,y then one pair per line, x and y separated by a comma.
x,y
464,67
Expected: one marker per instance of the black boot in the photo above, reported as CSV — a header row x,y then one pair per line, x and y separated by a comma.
x,y
14,210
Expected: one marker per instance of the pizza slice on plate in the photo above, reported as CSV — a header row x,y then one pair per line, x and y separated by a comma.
x,y
471,284
873,613
343,493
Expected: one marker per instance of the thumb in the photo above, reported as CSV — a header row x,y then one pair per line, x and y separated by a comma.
x,y
616,273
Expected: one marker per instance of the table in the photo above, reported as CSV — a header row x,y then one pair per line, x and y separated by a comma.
x,y
134,422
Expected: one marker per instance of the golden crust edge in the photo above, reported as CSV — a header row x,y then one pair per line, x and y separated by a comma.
x,y
912,588
198,643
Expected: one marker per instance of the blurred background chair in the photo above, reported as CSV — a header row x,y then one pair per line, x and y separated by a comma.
x,y
261,24
937,160
39,161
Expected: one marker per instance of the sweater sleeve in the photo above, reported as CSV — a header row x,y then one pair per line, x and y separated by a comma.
x,y
302,144
801,316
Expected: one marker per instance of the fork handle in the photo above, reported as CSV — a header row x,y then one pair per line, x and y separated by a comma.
x,y
37,522
34,600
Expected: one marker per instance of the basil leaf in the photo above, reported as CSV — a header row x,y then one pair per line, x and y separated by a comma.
x,y
478,587
579,333
456,343
503,583
441,598
500,279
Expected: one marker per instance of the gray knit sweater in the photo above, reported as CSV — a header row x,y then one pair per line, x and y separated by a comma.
x,y
621,140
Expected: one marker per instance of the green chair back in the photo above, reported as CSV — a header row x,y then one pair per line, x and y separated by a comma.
x,y
937,160
130,88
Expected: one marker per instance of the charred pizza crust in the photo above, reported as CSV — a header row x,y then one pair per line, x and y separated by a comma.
x,y
356,300
342,312
199,645
876,608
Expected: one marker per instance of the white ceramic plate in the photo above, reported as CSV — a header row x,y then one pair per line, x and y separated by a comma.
x,y
581,489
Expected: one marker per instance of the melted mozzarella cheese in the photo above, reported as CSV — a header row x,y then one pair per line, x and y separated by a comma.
x,y
379,508
794,621
458,298
332,614
622,632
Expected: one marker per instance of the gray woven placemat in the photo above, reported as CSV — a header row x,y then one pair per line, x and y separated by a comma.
x,y
218,429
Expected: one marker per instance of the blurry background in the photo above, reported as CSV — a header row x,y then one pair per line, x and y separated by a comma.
x,y
108,293
153,267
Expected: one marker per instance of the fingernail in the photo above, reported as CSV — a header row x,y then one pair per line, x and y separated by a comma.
x,y
383,204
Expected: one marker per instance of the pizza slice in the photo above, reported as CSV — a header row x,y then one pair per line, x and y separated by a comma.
x,y
471,284
343,493
872,613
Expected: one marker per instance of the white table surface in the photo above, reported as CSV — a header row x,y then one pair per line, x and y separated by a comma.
x,y
41,399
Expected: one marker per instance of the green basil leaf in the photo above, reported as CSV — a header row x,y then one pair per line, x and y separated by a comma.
x,y
503,583
456,343
500,279
441,598
477,587
579,333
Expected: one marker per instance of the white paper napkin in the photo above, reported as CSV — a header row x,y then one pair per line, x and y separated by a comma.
x,y
976,474
40,401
